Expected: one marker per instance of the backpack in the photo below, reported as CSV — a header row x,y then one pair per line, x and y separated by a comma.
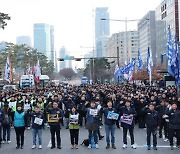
x,y
85,142
6,120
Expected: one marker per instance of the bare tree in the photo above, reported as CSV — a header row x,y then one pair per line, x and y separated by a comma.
x,y
67,73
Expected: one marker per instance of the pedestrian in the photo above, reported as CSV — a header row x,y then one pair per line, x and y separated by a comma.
x,y
37,125
74,127
20,122
55,115
92,123
128,115
110,123
174,124
152,121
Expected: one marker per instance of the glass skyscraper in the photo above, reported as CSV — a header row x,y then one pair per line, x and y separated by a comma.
x,y
42,39
102,30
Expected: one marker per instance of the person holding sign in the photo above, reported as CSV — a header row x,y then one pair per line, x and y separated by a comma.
x,y
110,117
128,114
55,116
74,127
37,125
92,123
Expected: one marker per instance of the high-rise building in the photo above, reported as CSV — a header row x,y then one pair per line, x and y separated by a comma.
x,y
23,40
102,30
3,46
166,15
66,63
62,54
116,47
42,39
52,44
147,36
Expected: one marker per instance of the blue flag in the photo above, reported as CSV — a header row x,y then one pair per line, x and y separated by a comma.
x,y
140,62
169,52
175,61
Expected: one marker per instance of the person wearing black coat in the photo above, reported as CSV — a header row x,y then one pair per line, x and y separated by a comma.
x,y
174,124
1,120
128,114
37,125
161,109
109,125
152,121
55,124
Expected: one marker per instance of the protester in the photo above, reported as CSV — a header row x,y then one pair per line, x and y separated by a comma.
x,y
92,123
55,116
109,121
1,120
20,122
152,121
174,124
74,127
6,123
128,115
37,125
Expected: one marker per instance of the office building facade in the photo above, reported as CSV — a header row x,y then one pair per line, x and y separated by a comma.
x,y
166,15
147,36
123,45
23,40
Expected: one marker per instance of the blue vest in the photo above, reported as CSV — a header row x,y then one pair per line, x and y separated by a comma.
x,y
19,119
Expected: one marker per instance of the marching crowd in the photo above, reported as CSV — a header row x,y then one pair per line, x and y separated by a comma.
x,y
114,106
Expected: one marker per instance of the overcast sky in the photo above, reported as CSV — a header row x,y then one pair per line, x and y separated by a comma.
x,y
72,19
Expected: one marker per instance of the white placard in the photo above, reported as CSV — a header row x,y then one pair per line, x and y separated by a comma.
x,y
93,112
74,117
38,121
26,107
13,104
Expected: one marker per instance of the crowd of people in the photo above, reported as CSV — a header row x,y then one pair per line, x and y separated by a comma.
x,y
114,106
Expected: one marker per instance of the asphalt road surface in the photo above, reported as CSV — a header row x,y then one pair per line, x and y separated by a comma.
x,y
140,139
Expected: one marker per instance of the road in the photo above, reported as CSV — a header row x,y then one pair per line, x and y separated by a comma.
x,y
140,139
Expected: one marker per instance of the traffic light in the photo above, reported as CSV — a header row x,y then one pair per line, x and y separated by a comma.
x,y
60,59
77,59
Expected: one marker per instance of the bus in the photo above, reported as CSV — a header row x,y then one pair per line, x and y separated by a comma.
x,y
44,80
26,81
84,80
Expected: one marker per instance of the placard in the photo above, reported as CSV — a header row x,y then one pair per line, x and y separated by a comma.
x,y
112,116
53,118
12,104
126,119
93,112
74,119
38,121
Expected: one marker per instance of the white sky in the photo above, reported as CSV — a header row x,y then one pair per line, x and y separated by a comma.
x,y
72,19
